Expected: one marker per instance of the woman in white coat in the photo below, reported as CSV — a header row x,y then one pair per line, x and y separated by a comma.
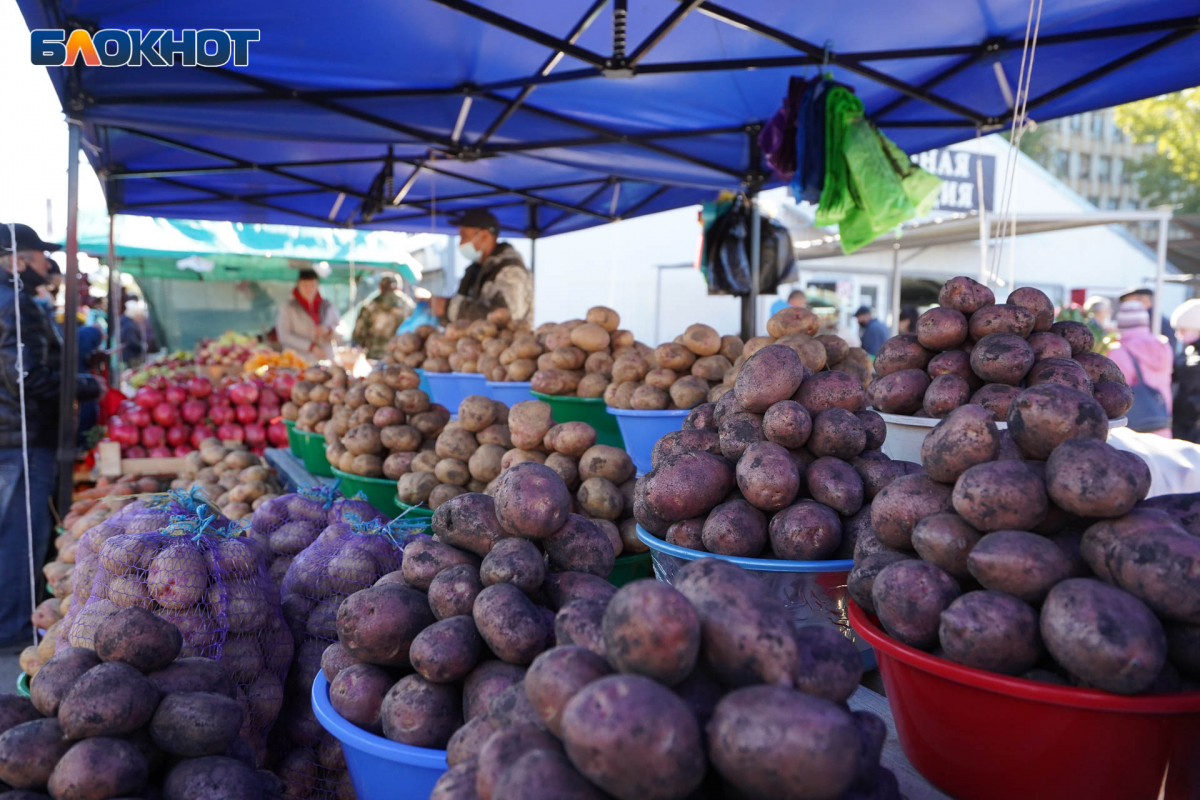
x,y
306,321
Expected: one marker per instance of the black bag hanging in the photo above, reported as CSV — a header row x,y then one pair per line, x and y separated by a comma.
x,y
1149,411
727,248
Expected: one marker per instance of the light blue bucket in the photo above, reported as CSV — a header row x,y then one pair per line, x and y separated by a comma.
x,y
641,430
814,592
451,388
510,392
380,768
424,384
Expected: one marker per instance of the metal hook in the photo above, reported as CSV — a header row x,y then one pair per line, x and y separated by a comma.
x,y
825,54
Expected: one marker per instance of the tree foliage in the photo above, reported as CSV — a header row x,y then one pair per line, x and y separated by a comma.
x,y
1171,175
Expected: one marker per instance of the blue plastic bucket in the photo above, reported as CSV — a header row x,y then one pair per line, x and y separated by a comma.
x,y
451,388
814,592
380,768
424,384
510,392
641,430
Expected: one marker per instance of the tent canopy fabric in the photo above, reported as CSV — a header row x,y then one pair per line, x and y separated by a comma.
x,y
561,115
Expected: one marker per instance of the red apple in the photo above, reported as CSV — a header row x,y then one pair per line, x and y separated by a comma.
x,y
193,411
255,434
178,434
175,394
140,417
153,436
199,387
137,451
147,397
122,432
165,414
246,414
161,452
231,432
277,434
243,393
221,414
200,433
182,450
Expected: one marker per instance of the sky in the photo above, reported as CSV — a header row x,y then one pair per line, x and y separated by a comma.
x,y
33,140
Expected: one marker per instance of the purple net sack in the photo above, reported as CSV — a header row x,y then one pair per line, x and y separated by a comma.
x,y
345,557
212,584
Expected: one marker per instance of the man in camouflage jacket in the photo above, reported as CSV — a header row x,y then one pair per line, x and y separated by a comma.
x,y
378,320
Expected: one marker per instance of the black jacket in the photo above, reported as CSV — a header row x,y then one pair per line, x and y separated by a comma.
x,y
43,359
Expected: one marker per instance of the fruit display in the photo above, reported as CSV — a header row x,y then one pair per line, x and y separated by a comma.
x,y
1037,555
785,465
230,349
270,359
176,366
171,418
192,570
546,681
235,480
131,716
969,349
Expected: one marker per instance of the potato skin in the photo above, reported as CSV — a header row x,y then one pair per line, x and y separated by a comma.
x,y
900,392
138,638
738,431
58,676
812,752
419,713
605,461
685,486
735,528
531,501
96,769
966,437
965,294
377,625
806,531
651,629
1090,478
1065,371
767,476
613,730
1000,495
193,675
515,561
861,580
194,724
996,398
108,700
701,418
772,374
1099,368
1036,303
425,558
830,665
992,631
874,427
486,682
561,588
941,329
1018,563
946,540
510,624
453,591
1115,398
1001,318
580,623
904,502
945,393
826,390
447,650
1156,565
836,484
30,751
909,597
837,432
684,441
788,423
557,675
580,546
739,625
1103,635
901,352
1001,358
1077,334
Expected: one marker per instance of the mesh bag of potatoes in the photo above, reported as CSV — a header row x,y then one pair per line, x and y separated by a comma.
x,y
348,555
197,573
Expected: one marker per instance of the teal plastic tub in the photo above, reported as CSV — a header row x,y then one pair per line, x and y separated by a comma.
x,y
586,409
424,384
510,392
451,388
814,592
379,768
641,430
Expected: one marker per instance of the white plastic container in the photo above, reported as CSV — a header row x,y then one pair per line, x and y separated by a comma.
x,y
906,434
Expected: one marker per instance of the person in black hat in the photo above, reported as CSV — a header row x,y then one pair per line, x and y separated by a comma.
x,y
874,332
496,278
306,321
40,372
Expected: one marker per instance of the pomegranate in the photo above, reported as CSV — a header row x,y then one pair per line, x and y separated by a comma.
x,y
153,436
178,434
122,432
221,415
277,434
268,397
137,451
193,411
243,393
230,432
140,417
199,387
161,452
283,384
246,414
200,433
255,434
267,413
175,394
146,397
182,450
165,414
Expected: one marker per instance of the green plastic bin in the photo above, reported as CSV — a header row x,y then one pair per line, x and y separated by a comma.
x,y
631,568
310,449
591,410
23,685
380,492
412,512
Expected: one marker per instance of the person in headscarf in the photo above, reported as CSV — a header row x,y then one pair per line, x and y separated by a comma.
x,y
306,322
1139,352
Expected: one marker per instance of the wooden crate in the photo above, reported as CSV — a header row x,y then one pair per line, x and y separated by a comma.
x,y
110,464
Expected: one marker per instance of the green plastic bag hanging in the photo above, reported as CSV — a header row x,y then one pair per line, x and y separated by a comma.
x,y
841,107
874,180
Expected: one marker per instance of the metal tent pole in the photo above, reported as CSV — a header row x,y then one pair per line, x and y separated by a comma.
x,y
70,350
755,257
895,288
113,316
1156,313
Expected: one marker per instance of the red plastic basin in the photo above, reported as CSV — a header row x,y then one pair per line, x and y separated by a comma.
x,y
982,736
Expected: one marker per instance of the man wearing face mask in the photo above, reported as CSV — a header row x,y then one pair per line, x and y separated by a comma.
x,y
496,278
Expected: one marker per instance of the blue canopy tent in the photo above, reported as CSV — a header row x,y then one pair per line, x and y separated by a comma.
x,y
559,115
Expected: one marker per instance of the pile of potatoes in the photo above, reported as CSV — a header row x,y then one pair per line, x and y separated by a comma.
x,y
969,349
783,466
233,479
130,718
498,347
381,423
341,558
313,397
548,683
211,585
678,374
1033,552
